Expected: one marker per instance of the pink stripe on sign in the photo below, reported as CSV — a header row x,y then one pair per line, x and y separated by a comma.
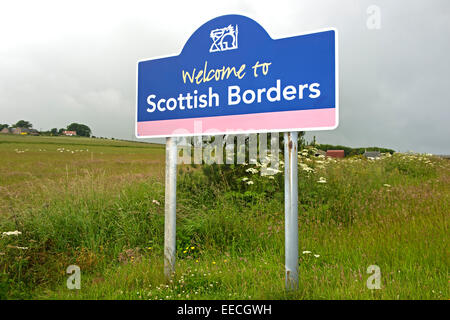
x,y
269,121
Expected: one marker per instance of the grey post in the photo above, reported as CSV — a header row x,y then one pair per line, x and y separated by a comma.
x,y
170,207
291,209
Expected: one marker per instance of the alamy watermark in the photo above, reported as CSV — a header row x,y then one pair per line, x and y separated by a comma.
x,y
74,280
374,17
259,149
374,281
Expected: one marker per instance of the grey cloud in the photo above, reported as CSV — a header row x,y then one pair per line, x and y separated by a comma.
x,y
393,81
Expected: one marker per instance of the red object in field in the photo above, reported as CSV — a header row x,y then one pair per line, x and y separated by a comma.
x,y
336,153
70,133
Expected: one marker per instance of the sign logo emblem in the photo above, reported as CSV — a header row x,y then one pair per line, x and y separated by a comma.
x,y
224,39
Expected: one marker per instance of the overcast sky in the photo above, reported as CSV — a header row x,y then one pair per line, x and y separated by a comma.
x,y
75,61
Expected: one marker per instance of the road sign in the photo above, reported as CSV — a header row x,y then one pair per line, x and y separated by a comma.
x,y
232,77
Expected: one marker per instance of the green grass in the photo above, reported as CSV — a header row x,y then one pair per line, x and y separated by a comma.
x,y
96,209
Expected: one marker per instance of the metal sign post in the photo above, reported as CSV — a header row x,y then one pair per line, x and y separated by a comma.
x,y
291,209
170,207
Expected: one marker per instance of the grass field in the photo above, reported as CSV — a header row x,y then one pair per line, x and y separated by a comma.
x,y
99,204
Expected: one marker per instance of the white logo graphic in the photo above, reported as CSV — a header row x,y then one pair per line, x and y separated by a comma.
x,y
224,39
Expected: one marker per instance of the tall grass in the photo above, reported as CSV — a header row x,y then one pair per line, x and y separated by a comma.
x,y
230,235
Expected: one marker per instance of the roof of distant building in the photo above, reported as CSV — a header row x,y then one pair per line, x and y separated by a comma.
x,y
336,153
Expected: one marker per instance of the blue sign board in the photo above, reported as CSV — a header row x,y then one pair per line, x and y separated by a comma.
x,y
232,77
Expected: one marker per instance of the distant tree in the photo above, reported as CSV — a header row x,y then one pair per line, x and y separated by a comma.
x,y
45,133
23,124
81,129
60,131
2,126
54,131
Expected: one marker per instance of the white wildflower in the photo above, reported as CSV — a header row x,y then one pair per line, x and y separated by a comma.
x,y
16,247
244,179
156,202
11,233
249,182
306,252
252,170
275,171
317,255
387,185
306,168
322,180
